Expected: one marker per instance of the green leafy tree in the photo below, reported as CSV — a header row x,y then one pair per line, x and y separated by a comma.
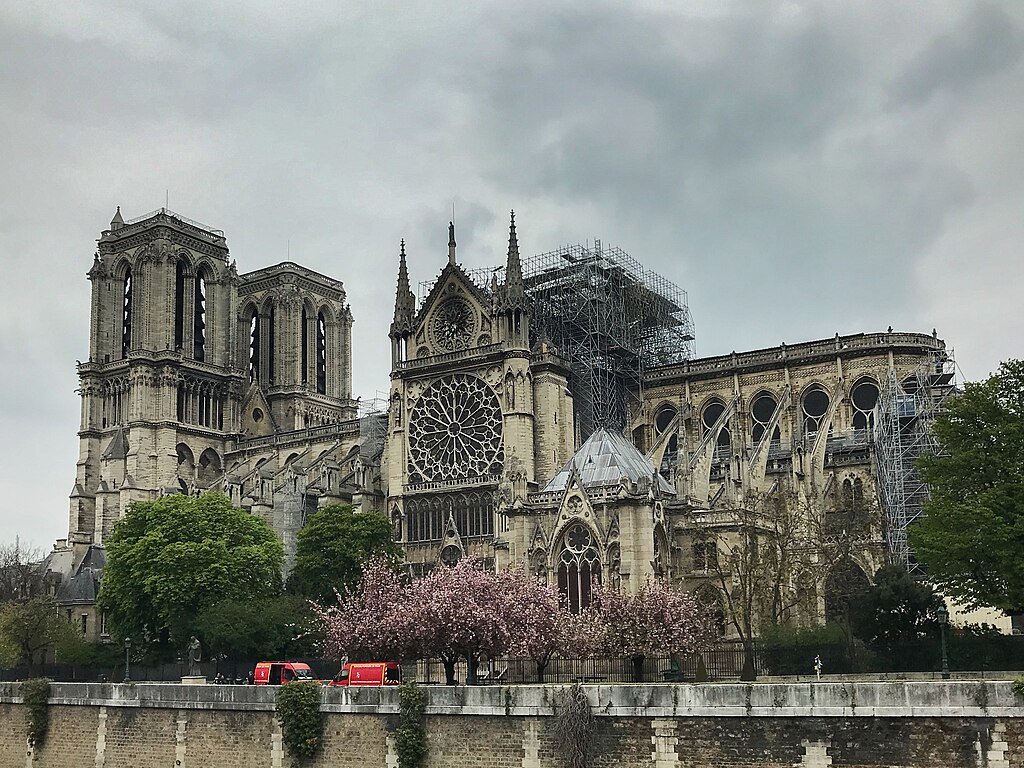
x,y
266,628
895,610
30,629
169,559
973,535
332,548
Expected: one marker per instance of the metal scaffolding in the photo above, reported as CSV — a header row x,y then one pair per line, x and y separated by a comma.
x,y
903,431
611,319
608,316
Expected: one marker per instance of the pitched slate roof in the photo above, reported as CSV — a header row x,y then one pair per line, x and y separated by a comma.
x,y
604,459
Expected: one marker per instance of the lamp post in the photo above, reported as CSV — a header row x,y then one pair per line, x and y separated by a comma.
x,y
127,660
943,620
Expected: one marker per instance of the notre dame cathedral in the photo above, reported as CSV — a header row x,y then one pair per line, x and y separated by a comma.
x,y
547,413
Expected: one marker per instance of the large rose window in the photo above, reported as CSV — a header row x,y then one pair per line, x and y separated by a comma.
x,y
455,431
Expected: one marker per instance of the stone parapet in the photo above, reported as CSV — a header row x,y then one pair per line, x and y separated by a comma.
x,y
900,699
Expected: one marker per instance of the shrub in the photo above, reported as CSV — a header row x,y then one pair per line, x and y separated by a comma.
x,y
1018,686
35,694
302,724
789,651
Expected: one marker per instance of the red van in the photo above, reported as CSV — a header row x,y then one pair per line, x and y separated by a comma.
x,y
280,672
371,673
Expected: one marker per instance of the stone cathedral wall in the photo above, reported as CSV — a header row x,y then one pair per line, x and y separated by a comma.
x,y
951,724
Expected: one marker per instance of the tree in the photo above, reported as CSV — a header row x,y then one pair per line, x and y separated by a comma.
x,y
371,621
460,612
895,610
171,558
768,552
332,547
20,572
656,620
244,629
972,536
535,618
31,628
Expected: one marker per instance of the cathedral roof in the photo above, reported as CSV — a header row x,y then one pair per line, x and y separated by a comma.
x,y
604,459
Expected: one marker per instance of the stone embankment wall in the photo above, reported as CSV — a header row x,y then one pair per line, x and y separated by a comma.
x,y
945,724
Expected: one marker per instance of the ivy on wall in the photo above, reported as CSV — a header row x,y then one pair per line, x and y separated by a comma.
x,y
36,694
411,736
302,723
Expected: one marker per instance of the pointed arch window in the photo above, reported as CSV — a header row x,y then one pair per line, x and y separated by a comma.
x,y
710,415
126,313
321,354
864,397
271,327
305,346
254,345
179,304
199,317
579,565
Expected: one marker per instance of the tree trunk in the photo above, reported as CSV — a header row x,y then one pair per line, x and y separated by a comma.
x,y
449,671
638,668
472,663
541,666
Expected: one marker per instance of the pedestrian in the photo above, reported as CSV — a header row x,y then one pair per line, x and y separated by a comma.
x,y
817,666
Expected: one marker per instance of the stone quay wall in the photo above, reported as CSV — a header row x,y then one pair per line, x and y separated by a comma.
x,y
937,724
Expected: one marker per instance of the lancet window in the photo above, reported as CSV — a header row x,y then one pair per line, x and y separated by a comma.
x,y
126,313
321,354
199,317
579,566
254,345
473,512
179,303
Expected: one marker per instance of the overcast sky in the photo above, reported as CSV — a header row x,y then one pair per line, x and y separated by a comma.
x,y
801,169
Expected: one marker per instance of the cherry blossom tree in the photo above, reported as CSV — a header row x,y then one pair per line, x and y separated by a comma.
x,y
535,617
370,622
460,612
658,619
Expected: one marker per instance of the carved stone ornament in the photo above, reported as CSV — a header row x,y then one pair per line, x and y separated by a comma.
x,y
158,249
453,324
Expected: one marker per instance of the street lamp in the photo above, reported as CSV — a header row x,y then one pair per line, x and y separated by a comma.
x,y
943,621
127,661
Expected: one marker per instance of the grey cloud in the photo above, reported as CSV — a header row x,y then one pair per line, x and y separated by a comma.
x,y
794,171
988,41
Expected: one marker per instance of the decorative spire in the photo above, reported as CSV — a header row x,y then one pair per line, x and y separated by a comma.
x,y
513,267
451,242
117,222
405,300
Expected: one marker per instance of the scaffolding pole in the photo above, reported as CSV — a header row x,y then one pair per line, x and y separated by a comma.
x,y
904,416
609,317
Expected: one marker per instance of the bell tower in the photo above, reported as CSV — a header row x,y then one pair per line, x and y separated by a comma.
x,y
160,367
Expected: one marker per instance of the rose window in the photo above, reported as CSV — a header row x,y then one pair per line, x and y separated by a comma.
x,y
455,431
453,324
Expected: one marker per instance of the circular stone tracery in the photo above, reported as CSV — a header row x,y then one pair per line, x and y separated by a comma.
x,y
455,431
453,324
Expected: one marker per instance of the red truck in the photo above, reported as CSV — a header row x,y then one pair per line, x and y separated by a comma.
x,y
369,673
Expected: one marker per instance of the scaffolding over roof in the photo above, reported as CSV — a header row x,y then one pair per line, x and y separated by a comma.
x,y
904,415
609,317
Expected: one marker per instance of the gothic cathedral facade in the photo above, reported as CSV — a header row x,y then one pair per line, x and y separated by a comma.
x,y
200,378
